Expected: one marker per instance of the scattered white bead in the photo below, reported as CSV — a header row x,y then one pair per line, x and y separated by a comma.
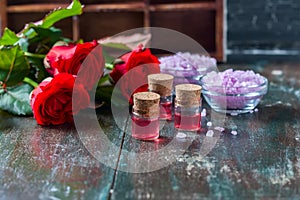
x,y
234,114
234,132
210,133
203,113
251,111
181,135
256,110
277,72
209,124
221,129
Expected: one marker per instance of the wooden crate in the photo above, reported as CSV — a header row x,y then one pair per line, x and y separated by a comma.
x,y
202,20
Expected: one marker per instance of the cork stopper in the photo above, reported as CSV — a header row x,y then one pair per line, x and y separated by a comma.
x,y
146,104
188,94
161,84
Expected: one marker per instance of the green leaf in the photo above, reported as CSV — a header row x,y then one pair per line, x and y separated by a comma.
x,y
44,39
103,79
117,46
23,43
13,66
52,33
109,66
108,58
75,8
103,93
30,82
37,70
16,100
28,32
9,37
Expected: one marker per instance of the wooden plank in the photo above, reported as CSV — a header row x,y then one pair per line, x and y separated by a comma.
x,y
51,162
220,38
34,8
183,6
132,6
146,14
261,161
87,8
76,28
3,16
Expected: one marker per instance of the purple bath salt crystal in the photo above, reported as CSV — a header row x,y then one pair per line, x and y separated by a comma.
x,y
236,84
187,67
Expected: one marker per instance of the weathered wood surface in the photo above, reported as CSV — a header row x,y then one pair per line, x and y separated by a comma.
x,y
262,161
51,162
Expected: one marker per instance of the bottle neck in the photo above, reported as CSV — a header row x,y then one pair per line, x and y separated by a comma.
x,y
187,104
151,113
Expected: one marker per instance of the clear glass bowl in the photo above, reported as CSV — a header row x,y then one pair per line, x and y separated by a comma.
x,y
241,102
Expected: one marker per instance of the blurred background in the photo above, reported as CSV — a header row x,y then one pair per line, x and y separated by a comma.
x,y
233,31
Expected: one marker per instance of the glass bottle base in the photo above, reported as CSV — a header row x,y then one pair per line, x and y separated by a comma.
x,y
145,128
187,123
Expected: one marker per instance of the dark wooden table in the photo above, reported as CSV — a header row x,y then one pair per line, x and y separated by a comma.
x,y
262,161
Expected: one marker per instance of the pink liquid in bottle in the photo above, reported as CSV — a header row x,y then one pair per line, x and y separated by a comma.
x,y
189,123
166,111
145,128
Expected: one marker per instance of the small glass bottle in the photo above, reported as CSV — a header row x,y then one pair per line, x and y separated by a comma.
x,y
162,84
187,112
145,116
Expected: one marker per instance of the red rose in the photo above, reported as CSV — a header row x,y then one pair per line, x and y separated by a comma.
x,y
51,101
84,60
143,63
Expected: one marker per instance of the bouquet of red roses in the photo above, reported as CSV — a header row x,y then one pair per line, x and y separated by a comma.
x,y
41,71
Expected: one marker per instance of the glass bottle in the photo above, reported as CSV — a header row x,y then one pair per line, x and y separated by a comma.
x,y
145,116
162,84
187,112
